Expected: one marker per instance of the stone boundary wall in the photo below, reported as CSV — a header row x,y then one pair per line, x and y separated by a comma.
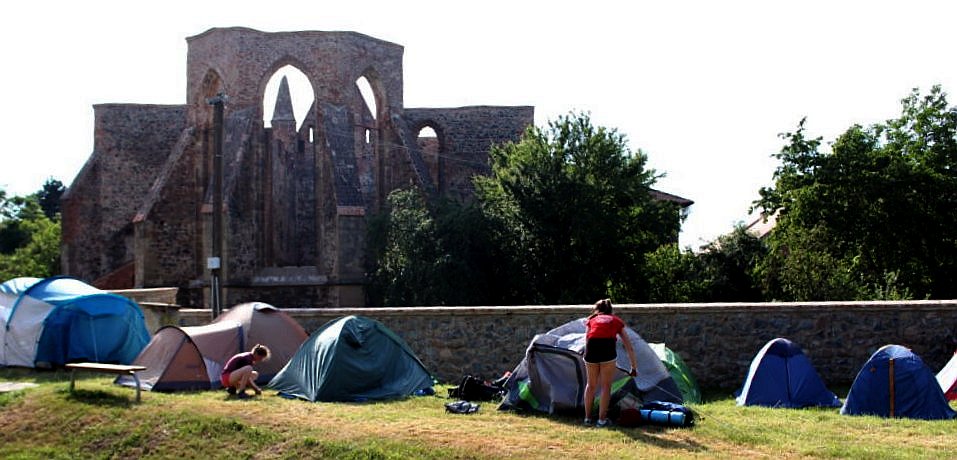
x,y
718,341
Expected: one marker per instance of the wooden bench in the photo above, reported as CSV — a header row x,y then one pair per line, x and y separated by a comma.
x,y
119,369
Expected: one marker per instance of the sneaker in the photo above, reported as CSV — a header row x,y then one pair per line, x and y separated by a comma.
x,y
588,422
231,390
243,395
602,423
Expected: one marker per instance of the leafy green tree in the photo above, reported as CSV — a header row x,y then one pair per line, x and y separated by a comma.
x,y
873,217
433,255
571,207
29,241
674,276
728,267
49,198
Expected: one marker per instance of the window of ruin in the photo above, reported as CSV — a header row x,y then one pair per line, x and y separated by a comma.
x,y
312,134
300,91
365,89
428,141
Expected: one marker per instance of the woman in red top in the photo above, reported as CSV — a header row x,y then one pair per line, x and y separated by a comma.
x,y
603,329
239,374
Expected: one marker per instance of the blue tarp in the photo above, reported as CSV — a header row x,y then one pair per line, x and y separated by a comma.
x,y
81,323
916,393
781,375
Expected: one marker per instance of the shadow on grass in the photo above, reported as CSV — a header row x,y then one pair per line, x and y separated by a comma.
x,y
646,434
100,398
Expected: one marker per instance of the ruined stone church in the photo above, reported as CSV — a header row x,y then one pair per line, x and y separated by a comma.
x,y
294,196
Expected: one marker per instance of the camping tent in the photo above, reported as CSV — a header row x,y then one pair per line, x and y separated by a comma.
x,y
267,325
352,359
679,371
58,320
551,378
192,357
947,379
781,375
895,382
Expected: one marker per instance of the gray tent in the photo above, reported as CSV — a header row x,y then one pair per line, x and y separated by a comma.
x,y
552,376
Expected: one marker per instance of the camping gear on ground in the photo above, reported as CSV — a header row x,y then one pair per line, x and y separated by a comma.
x,y
462,407
551,378
473,388
666,414
353,358
679,371
895,382
947,379
192,357
58,320
781,375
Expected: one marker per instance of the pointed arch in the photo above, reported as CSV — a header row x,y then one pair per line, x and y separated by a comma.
x,y
301,91
430,138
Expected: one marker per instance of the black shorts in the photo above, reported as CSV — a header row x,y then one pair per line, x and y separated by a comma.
x,y
600,350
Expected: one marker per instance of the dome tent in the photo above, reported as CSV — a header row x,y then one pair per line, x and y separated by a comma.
x,y
59,320
781,375
192,357
680,372
947,378
895,382
551,378
353,358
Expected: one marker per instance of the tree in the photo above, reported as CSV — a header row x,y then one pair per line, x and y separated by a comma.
x,y
873,217
29,241
433,254
571,206
728,267
49,197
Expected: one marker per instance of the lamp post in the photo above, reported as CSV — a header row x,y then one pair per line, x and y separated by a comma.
x,y
214,262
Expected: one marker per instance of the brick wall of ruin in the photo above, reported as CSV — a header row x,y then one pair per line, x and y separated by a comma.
x,y
131,142
465,135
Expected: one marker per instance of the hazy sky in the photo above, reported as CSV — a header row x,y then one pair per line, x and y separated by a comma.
x,y
702,87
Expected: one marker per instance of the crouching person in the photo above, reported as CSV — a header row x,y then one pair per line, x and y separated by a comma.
x,y
238,374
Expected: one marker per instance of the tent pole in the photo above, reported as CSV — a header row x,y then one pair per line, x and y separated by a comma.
x,y
890,374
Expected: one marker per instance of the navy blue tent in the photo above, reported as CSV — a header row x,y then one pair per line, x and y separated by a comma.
x,y
781,375
895,382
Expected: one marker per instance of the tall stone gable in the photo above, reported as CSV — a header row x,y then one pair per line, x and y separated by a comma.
x,y
295,200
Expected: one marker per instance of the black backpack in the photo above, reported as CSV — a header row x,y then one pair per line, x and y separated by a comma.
x,y
475,389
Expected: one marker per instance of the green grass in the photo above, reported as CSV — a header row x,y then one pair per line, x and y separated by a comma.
x,y
100,420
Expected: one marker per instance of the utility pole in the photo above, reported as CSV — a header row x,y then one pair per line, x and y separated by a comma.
x,y
214,262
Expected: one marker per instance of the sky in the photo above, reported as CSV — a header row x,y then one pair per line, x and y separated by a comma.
x,y
703,88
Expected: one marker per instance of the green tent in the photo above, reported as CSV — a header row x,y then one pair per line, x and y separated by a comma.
x,y
352,359
679,372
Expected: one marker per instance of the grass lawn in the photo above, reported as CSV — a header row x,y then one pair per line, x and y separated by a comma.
x,y
101,420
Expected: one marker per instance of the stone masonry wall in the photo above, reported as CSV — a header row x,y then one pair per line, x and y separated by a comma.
x,y
465,135
132,141
718,341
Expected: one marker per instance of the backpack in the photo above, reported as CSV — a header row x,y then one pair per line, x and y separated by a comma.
x,y
473,388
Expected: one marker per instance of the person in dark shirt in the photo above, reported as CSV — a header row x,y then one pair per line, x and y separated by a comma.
x,y
602,332
239,373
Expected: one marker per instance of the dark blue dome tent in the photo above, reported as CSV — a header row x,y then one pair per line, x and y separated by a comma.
x,y
895,382
58,320
781,375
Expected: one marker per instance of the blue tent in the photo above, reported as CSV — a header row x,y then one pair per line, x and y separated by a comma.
x,y
54,321
781,375
352,359
895,382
